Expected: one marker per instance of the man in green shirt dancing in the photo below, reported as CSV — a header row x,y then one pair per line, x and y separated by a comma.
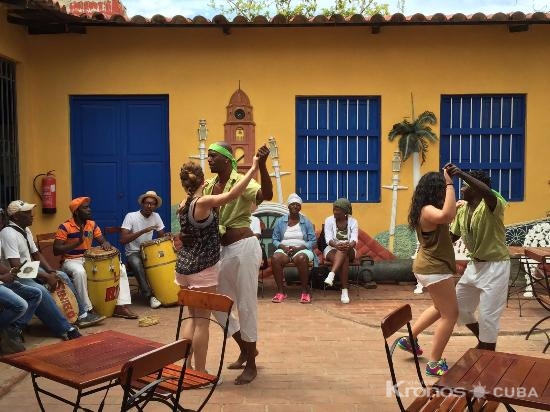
x,y
480,224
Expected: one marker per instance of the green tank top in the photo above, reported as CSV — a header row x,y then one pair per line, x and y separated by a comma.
x,y
436,254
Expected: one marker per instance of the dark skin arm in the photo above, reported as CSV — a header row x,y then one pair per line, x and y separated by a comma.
x,y
49,278
61,247
480,188
126,236
266,192
7,275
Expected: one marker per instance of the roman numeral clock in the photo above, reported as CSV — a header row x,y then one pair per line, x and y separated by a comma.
x,y
240,129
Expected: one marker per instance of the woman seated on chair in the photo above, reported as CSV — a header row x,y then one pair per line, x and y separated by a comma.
x,y
294,238
197,265
341,234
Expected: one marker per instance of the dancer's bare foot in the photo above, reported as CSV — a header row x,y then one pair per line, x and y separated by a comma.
x,y
248,375
240,362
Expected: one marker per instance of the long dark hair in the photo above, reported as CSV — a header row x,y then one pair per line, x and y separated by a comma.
x,y
192,177
430,191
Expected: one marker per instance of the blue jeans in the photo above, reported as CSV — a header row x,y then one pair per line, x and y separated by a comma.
x,y
67,280
48,312
18,304
136,264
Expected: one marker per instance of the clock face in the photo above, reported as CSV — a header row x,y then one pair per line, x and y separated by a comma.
x,y
239,114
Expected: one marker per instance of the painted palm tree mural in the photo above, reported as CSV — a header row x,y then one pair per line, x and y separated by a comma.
x,y
414,137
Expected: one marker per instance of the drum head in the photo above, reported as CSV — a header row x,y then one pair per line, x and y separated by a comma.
x,y
99,253
156,241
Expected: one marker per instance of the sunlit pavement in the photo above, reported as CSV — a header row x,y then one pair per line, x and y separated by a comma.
x,y
324,356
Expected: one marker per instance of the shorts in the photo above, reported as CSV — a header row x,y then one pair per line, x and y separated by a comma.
x,y
428,280
329,248
206,278
306,252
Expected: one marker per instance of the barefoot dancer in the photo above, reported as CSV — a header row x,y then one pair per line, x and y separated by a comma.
x,y
241,253
198,263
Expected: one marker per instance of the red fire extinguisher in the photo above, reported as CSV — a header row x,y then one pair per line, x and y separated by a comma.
x,y
47,192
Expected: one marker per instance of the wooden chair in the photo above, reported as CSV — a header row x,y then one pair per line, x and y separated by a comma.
x,y
152,363
539,275
194,379
430,400
44,242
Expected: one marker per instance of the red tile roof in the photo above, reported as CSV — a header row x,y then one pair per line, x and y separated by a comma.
x,y
25,12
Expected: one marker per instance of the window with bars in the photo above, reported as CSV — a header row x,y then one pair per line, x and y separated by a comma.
x,y
338,148
9,163
486,132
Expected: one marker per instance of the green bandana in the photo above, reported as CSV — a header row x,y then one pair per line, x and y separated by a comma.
x,y
224,152
343,204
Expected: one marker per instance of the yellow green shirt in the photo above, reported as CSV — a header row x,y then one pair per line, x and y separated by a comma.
x,y
486,237
236,213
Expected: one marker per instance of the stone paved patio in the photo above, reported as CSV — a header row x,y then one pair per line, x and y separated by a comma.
x,y
320,357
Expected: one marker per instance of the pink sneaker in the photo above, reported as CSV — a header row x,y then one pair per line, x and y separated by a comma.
x,y
278,298
305,298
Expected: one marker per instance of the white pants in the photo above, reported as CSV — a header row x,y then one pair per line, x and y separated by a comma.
x,y
238,279
75,269
483,284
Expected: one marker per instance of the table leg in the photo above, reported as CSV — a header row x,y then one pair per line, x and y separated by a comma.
x,y
37,391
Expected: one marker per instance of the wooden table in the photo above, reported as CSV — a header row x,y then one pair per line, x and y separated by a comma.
x,y
540,254
88,364
503,377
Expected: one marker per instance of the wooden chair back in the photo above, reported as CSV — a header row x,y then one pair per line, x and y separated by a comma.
x,y
154,362
44,242
194,379
429,400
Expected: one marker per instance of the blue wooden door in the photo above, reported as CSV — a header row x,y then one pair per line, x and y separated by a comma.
x,y
119,150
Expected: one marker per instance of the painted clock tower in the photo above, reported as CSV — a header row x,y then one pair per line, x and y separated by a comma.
x,y
240,129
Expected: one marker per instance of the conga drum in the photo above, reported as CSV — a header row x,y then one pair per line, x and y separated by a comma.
x,y
66,301
159,262
103,272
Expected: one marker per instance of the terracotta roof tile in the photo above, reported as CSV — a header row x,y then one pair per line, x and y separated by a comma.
x,y
43,12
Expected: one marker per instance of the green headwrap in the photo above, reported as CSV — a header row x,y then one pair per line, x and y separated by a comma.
x,y
343,204
224,152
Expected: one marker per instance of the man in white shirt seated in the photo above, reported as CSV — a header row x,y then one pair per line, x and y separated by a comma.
x,y
137,228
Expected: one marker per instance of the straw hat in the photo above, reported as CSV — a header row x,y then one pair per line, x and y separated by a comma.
x,y
150,193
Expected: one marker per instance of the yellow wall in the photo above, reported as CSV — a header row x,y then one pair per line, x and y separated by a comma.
x,y
200,69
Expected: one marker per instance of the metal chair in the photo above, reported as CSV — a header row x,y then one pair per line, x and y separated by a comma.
x,y
153,363
194,379
539,274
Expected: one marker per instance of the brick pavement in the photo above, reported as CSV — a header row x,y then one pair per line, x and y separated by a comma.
x,y
320,357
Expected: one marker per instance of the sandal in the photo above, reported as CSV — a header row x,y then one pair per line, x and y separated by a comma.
x,y
278,298
305,298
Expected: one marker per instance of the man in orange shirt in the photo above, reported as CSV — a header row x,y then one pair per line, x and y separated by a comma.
x,y
72,239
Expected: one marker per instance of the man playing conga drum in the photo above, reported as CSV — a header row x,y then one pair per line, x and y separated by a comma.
x,y
72,239
138,227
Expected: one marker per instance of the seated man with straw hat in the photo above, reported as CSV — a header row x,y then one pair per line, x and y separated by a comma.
x,y
137,228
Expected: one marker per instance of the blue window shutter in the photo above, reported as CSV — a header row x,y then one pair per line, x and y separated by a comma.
x,y
486,132
338,148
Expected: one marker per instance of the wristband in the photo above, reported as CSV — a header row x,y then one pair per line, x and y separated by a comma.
x,y
450,184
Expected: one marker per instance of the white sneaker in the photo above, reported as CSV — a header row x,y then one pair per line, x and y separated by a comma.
x,y
330,278
344,298
419,289
154,303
